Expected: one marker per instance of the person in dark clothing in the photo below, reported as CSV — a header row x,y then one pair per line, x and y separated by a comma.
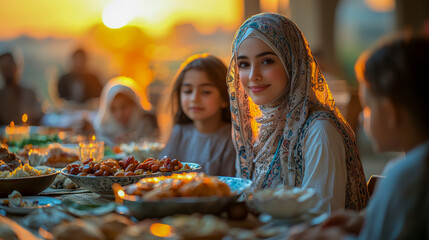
x,y
16,100
79,85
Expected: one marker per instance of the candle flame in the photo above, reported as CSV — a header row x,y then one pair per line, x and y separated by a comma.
x,y
24,118
160,230
93,138
121,193
12,124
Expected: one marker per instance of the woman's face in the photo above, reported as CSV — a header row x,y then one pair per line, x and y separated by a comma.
x,y
200,98
122,108
261,71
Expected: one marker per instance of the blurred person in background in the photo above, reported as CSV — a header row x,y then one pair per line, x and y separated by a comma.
x,y
16,100
79,85
122,117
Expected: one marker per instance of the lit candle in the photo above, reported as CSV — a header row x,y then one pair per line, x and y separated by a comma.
x,y
17,133
92,149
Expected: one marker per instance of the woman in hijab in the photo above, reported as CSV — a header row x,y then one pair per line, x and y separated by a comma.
x,y
123,115
287,129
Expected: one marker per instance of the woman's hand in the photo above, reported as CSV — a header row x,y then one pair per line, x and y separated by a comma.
x,y
348,221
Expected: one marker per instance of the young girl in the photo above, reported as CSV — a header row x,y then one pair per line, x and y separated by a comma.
x,y
286,127
123,114
202,130
393,88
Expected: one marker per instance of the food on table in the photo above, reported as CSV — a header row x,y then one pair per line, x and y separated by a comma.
x,y
142,151
197,226
25,171
179,185
59,156
15,200
79,229
36,140
4,166
63,182
8,160
25,150
125,167
46,218
111,225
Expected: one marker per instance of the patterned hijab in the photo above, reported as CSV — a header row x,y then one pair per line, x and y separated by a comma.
x,y
269,138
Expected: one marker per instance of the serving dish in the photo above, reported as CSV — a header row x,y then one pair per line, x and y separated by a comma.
x,y
26,185
103,184
283,202
185,205
42,202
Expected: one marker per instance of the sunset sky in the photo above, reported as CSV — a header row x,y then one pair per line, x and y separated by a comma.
x,y
71,18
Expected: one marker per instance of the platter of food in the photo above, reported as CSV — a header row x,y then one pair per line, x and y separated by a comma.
x,y
17,204
182,194
99,176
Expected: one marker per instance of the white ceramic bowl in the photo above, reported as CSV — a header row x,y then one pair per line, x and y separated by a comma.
x,y
283,202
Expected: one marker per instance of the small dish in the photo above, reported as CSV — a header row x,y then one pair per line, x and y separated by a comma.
x,y
43,202
283,202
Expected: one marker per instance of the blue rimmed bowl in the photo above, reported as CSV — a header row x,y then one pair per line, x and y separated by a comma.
x,y
186,205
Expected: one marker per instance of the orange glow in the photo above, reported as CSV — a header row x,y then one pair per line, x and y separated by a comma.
x,y
45,234
269,5
187,176
24,118
62,135
160,230
119,193
381,5
46,18
12,124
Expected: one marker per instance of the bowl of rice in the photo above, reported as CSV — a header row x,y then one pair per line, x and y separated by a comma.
x,y
26,180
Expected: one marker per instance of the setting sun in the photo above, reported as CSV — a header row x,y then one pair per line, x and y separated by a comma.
x,y
75,18
118,13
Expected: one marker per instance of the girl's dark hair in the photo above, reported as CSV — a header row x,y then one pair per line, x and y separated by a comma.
x,y
398,70
216,72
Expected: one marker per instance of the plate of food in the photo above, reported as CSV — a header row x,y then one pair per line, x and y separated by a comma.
x,y
17,204
183,193
283,202
99,176
26,179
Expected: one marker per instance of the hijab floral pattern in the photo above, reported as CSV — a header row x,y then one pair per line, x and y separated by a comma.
x,y
269,138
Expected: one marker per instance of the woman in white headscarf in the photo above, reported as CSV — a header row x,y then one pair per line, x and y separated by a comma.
x,y
287,129
124,115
